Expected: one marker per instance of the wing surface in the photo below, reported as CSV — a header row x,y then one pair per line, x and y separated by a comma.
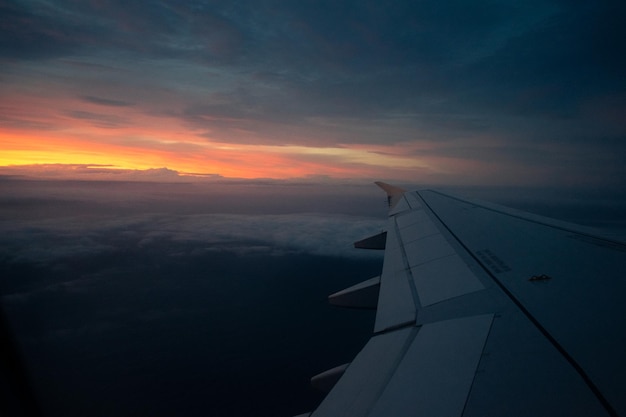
x,y
487,311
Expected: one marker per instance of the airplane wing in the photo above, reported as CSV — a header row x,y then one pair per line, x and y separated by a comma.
x,y
485,311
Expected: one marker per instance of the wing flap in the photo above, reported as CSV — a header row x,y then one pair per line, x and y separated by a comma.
x,y
376,242
367,376
400,373
442,359
362,295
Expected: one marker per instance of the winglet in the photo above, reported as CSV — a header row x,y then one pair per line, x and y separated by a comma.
x,y
394,194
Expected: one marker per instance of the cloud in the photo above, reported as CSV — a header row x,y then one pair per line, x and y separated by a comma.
x,y
450,75
96,172
106,101
56,222
57,240
26,34
99,119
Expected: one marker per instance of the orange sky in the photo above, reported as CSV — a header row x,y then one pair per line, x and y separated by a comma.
x,y
134,149
71,131
46,132
53,122
154,143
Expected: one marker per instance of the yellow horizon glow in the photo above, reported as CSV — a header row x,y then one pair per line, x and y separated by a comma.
x,y
75,132
191,157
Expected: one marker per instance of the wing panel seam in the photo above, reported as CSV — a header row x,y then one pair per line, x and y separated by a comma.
x,y
482,355
405,348
407,268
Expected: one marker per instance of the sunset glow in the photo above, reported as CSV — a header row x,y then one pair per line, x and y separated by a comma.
x,y
239,91
153,149
122,138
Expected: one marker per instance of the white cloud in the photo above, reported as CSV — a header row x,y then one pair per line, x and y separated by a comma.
x,y
43,241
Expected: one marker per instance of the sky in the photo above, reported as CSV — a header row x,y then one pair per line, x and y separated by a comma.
x,y
471,93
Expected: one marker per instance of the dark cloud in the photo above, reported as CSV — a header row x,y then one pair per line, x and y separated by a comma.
x,y
157,30
28,33
99,119
154,191
451,70
22,122
551,69
106,101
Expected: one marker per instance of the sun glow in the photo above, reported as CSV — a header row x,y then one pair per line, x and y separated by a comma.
x,y
83,132
167,144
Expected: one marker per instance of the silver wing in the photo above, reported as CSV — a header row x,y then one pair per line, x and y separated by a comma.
x,y
487,311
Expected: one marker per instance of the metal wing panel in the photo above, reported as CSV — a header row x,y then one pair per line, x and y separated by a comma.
x,y
413,200
427,249
442,358
367,376
470,325
401,373
578,302
401,206
522,374
396,303
416,216
436,270
444,278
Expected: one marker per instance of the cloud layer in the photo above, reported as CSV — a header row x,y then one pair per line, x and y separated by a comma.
x,y
129,296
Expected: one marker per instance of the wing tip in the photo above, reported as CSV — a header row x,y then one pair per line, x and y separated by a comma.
x,y
394,194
